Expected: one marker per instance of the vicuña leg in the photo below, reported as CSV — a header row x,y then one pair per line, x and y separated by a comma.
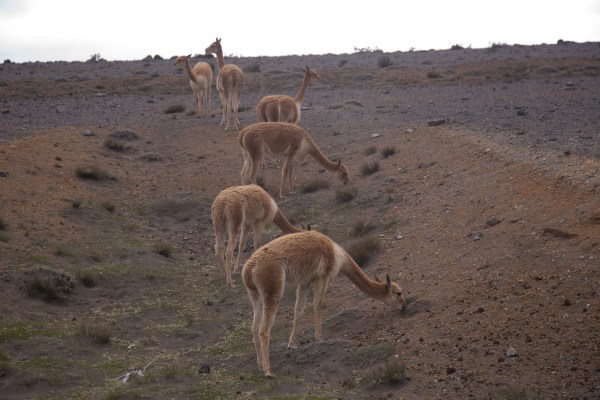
x,y
233,236
301,294
257,309
270,305
241,247
319,289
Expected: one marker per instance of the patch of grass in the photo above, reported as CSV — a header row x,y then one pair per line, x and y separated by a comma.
x,y
344,195
252,68
108,205
125,135
75,203
151,157
388,151
370,150
164,249
18,331
98,333
4,238
62,252
174,108
384,61
391,373
123,393
361,228
92,172
41,289
363,249
370,355
87,279
369,168
48,284
314,185
115,145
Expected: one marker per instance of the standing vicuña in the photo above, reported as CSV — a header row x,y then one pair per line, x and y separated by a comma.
x,y
307,258
229,85
281,139
237,209
200,81
283,108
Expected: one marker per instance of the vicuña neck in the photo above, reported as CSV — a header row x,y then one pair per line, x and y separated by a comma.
x,y
373,289
281,221
220,59
188,70
316,153
300,96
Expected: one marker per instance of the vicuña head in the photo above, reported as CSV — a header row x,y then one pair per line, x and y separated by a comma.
x,y
306,259
282,139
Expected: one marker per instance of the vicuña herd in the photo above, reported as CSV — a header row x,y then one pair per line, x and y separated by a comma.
x,y
303,257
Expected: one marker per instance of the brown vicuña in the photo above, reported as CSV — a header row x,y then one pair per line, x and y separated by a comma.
x,y
238,208
200,81
229,85
283,108
281,139
305,259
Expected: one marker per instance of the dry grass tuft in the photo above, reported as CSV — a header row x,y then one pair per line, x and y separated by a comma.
x,y
174,108
314,185
391,373
363,249
369,168
93,173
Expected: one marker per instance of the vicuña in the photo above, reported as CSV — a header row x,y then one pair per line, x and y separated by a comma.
x,y
306,259
282,139
238,208
229,85
200,81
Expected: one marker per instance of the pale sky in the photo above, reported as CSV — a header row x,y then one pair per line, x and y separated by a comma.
x,y
74,30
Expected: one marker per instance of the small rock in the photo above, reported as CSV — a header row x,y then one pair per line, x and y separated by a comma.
x,y
493,221
88,133
511,352
450,370
436,122
409,130
567,303
204,369
3,174
5,111
478,236
374,135
61,109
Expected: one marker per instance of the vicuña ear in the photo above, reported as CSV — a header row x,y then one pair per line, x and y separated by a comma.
x,y
189,55
388,281
308,227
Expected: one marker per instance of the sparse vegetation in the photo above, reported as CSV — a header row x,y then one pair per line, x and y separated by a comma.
x,y
370,150
369,168
3,224
98,333
363,249
341,63
367,50
252,68
384,61
314,185
125,135
115,145
392,373
87,279
344,195
361,228
93,173
48,284
388,151
151,157
164,249
174,108
108,205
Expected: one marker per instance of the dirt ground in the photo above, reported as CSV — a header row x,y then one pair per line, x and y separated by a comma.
x,y
487,214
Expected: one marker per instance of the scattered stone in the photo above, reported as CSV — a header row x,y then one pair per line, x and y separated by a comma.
x,y
409,130
3,174
5,111
521,111
596,217
87,132
558,233
478,236
204,369
375,135
480,310
450,370
567,303
511,352
436,122
493,221
61,109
